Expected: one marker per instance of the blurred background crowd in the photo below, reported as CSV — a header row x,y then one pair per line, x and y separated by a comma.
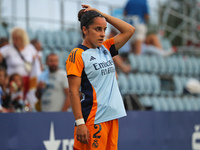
x,y
157,69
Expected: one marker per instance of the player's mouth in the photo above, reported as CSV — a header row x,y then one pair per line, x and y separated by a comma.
x,y
100,40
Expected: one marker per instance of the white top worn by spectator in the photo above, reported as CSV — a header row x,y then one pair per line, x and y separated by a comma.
x,y
39,54
53,97
14,62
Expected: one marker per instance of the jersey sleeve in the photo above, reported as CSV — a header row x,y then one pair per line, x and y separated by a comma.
x,y
110,45
74,63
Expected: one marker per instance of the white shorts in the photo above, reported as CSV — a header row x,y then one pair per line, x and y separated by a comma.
x,y
140,32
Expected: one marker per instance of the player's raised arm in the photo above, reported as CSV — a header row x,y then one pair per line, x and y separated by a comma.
x,y
126,30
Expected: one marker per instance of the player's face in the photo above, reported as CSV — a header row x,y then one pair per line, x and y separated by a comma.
x,y
95,34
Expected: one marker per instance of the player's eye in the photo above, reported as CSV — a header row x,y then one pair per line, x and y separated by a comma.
x,y
98,29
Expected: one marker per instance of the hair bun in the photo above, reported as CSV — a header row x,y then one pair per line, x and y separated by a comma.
x,y
80,14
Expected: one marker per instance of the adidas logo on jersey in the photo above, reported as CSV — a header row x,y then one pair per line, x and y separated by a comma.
x,y
92,58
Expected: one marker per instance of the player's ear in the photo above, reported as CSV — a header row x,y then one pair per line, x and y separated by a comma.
x,y
85,30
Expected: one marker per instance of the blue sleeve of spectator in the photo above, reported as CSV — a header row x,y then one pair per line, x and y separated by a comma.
x,y
126,7
145,8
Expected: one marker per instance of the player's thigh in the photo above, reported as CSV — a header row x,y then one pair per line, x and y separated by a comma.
x,y
97,140
112,141
99,136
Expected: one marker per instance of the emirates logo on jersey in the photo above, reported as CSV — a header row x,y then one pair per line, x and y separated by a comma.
x,y
105,67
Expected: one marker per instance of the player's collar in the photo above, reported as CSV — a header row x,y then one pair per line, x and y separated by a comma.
x,y
83,47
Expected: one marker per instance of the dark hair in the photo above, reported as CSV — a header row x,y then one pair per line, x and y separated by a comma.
x,y
34,41
3,70
14,75
86,18
3,41
52,53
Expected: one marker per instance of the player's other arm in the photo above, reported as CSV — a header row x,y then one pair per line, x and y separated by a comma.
x,y
82,131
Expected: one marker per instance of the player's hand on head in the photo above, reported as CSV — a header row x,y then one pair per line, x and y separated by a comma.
x,y
82,134
87,7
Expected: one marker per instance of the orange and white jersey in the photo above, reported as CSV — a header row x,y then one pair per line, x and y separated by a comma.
x,y
102,100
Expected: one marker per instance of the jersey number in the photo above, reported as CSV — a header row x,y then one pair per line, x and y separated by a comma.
x,y
96,127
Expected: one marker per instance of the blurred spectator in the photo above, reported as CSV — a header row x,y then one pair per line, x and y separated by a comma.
x,y
52,88
118,60
2,77
124,67
16,91
112,33
38,47
136,13
5,94
152,45
19,55
1,108
3,42
35,72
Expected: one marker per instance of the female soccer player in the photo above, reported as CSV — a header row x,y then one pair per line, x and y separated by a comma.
x,y
90,68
